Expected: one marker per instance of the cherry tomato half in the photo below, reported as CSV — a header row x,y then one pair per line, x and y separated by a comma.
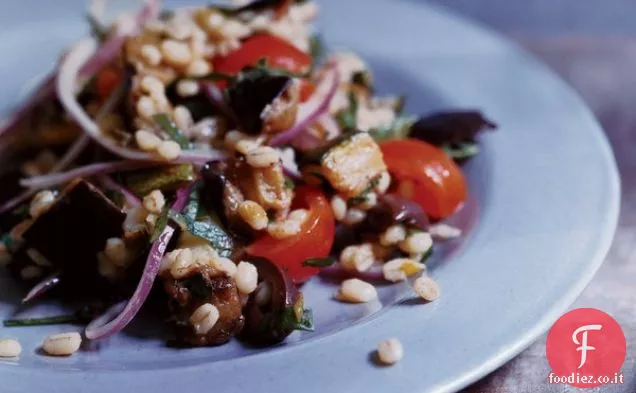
x,y
314,240
278,53
434,180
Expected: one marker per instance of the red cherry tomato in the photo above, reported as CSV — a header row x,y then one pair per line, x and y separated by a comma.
x,y
314,240
278,53
432,178
106,81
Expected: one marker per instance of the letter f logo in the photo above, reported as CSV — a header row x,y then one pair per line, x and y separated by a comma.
x,y
583,344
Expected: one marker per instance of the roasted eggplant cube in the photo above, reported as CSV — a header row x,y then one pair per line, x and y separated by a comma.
x,y
352,164
75,229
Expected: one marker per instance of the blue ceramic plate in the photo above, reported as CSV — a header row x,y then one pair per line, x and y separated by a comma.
x,y
543,210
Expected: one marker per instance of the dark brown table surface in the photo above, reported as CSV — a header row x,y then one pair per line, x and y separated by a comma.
x,y
592,45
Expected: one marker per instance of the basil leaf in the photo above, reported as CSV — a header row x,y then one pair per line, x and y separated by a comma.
x,y
347,119
461,151
97,29
362,197
191,209
319,262
317,48
211,232
289,183
426,255
7,240
165,122
160,224
165,178
398,129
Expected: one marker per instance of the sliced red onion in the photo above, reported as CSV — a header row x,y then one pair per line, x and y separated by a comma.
x,y
72,153
102,168
310,111
215,96
43,286
98,328
106,53
108,316
17,200
66,86
308,140
112,185
113,322
292,173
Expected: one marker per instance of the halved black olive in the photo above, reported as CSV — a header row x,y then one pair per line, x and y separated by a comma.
x,y
266,318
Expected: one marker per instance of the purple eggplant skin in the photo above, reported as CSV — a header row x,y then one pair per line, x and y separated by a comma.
x,y
75,229
262,326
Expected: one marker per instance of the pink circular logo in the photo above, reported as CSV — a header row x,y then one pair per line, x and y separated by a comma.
x,y
586,348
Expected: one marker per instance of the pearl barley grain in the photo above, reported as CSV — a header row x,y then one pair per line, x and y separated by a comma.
x,y
390,351
151,55
147,141
170,150
10,348
427,288
176,53
246,278
253,214
63,344
187,88
355,290
204,318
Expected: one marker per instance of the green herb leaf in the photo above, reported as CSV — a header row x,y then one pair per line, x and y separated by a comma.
x,y
347,119
209,231
461,151
191,209
160,225
56,320
289,183
165,178
319,262
362,197
7,240
165,122
426,255
317,48
166,15
98,30
398,129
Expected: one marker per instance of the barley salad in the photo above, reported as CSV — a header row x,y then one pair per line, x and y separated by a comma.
x,y
206,162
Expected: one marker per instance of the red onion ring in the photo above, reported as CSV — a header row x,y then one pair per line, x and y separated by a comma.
x,y
66,85
310,111
101,168
98,329
111,184
105,325
104,55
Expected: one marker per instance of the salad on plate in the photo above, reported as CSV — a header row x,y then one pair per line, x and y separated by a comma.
x,y
206,162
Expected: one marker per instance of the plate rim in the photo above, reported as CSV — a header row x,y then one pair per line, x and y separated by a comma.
x,y
604,241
